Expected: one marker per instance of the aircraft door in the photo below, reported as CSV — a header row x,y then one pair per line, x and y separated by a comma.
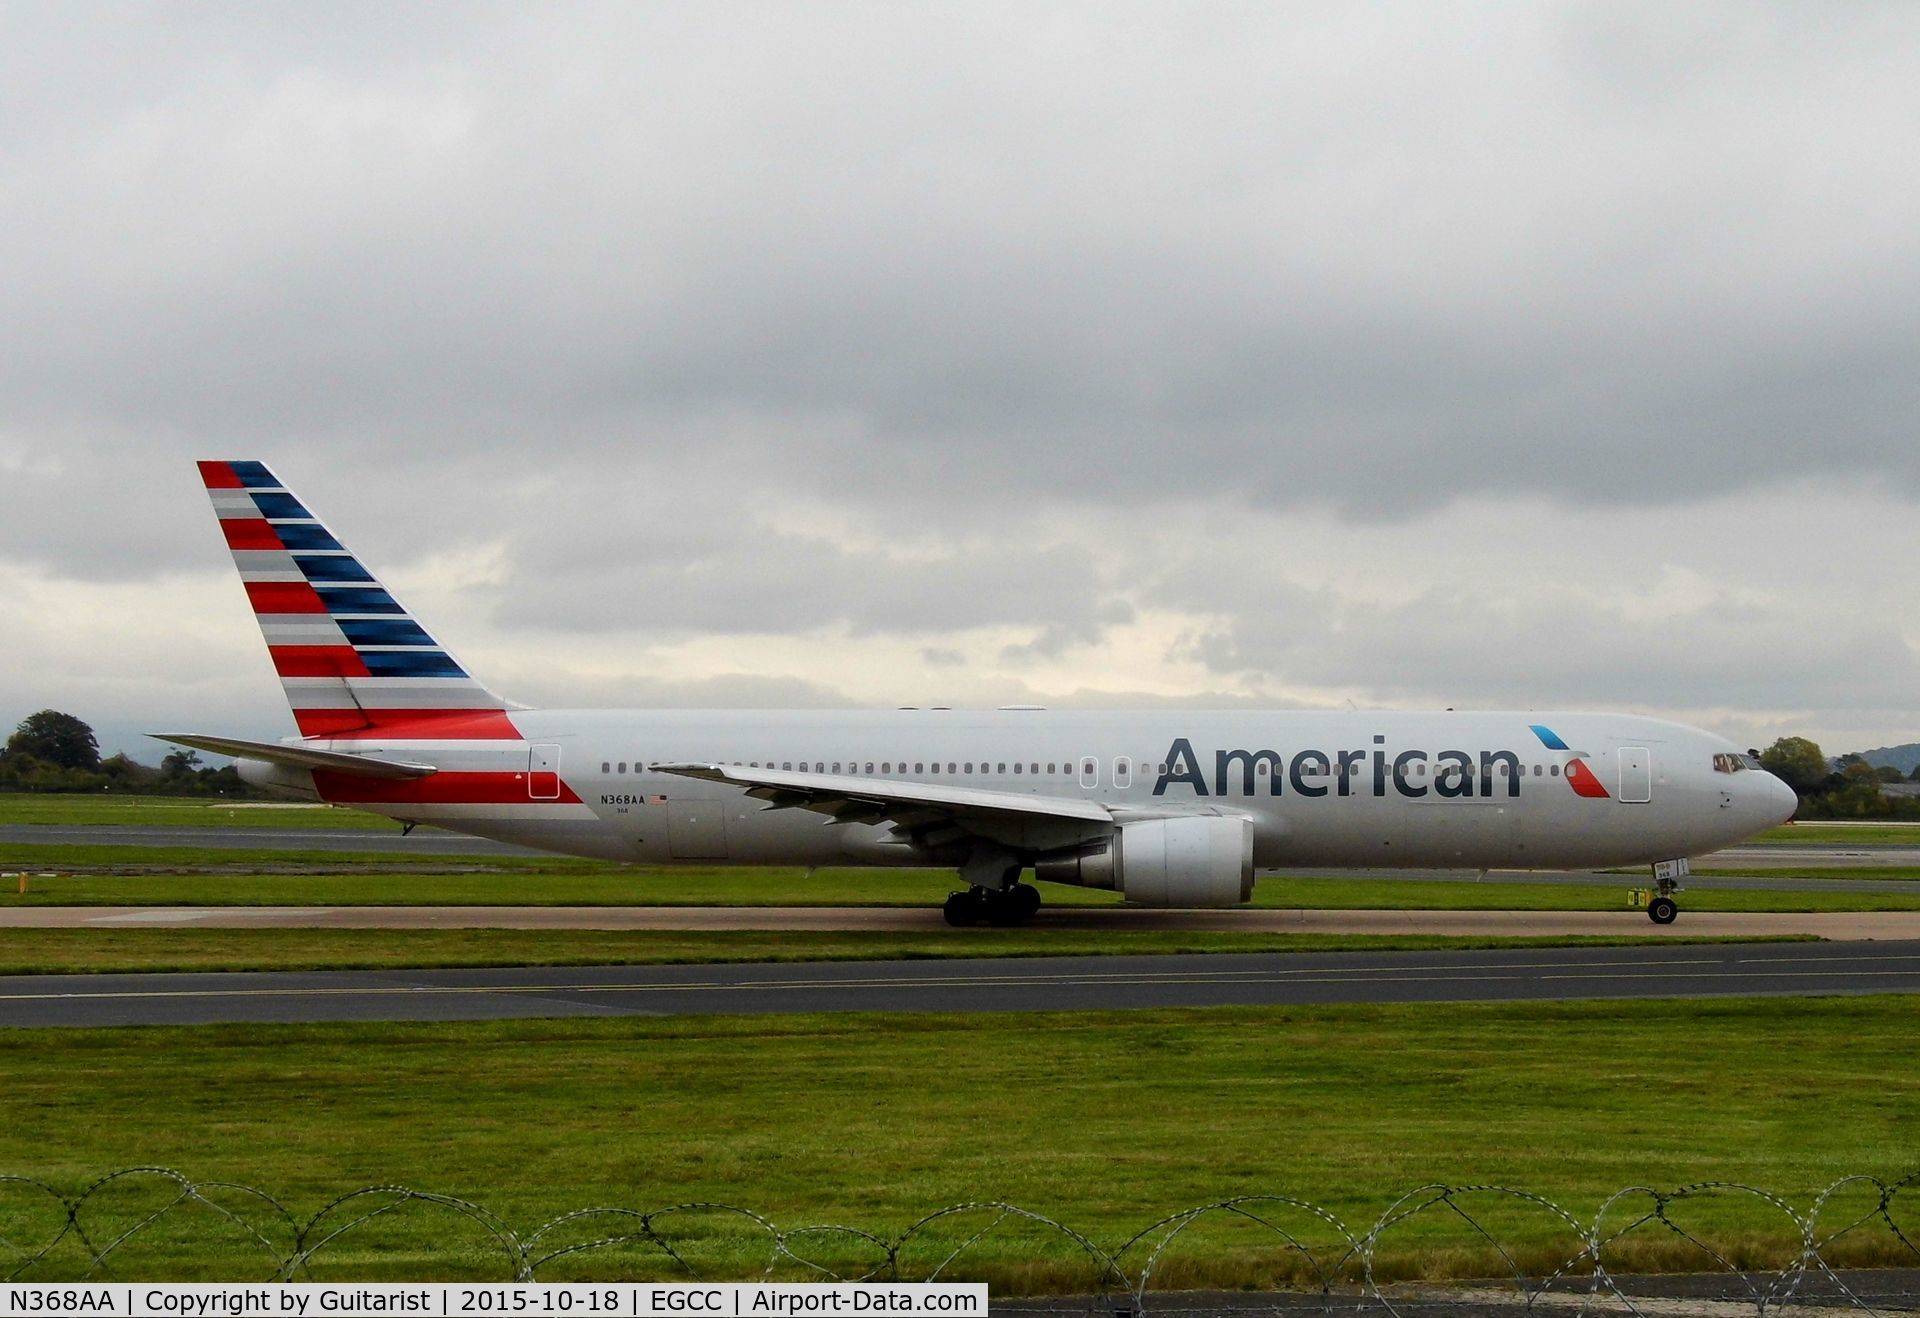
x,y
543,773
1636,775
697,830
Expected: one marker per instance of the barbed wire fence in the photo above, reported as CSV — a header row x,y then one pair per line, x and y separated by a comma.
x,y
1543,1255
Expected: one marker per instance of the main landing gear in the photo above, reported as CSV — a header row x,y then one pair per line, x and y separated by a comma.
x,y
1011,905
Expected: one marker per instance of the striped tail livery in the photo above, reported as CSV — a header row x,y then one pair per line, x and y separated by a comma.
x,y
353,661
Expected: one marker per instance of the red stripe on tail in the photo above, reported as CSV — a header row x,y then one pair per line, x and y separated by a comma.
x,y
219,476
284,597
407,724
249,533
317,661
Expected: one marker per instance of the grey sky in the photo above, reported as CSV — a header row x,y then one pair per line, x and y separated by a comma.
x,y
1303,354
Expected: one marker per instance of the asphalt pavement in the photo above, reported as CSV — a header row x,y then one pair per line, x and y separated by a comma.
x,y
985,985
1838,925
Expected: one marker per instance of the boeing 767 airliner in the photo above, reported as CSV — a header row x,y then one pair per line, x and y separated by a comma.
x,y
1168,807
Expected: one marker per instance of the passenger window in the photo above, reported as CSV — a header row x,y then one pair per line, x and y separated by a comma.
x,y
1016,768
605,767
1122,771
887,767
1553,770
1089,772
836,766
1001,769
1536,771
919,768
869,766
969,766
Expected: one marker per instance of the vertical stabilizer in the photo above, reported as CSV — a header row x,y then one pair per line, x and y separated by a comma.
x,y
353,661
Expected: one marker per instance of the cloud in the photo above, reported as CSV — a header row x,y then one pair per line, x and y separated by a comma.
x,y
1082,350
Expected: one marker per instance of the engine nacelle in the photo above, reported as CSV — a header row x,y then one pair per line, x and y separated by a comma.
x,y
1195,860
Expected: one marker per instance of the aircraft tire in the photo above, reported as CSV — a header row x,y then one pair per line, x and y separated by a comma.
x,y
964,909
1004,909
1025,898
1662,910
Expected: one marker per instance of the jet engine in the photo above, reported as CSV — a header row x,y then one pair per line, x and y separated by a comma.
x,y
1194,860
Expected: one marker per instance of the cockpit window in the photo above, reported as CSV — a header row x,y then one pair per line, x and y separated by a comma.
x,y
1730,762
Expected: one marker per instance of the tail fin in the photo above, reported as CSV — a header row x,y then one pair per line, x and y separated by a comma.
x,y
353,661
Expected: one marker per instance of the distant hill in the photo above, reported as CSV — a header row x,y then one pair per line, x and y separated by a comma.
x,y
1902,758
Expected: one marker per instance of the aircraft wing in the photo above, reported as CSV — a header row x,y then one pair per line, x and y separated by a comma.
x,y
922,812
297,757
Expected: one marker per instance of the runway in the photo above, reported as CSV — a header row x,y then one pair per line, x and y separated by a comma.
x,y
988,985
1842,926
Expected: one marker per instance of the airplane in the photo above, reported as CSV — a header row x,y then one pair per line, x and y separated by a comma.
x,y
1168,807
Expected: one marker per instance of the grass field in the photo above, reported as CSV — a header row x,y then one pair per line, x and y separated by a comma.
x,y
1103,1121
175,812
1828,833
588,883
96,951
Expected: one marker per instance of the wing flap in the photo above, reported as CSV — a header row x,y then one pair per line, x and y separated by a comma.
x,y
869,800
297,757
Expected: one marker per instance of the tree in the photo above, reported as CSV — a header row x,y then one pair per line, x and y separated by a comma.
x,y
180,766
1889,774
1798,763
59,739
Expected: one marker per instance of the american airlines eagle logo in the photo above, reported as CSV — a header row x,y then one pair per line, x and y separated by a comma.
x,y
1579,776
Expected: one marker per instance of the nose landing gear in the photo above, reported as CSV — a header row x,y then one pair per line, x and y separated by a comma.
x,y
1661,907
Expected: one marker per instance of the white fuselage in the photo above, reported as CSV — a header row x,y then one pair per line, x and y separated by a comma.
x,y
1347,789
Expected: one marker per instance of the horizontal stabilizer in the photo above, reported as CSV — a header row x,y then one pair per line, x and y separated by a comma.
x,y
297,757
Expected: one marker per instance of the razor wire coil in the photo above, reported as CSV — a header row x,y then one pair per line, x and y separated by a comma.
x,y
1342,1269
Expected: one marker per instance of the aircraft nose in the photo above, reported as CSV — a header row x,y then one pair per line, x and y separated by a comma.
x,y
1780,799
